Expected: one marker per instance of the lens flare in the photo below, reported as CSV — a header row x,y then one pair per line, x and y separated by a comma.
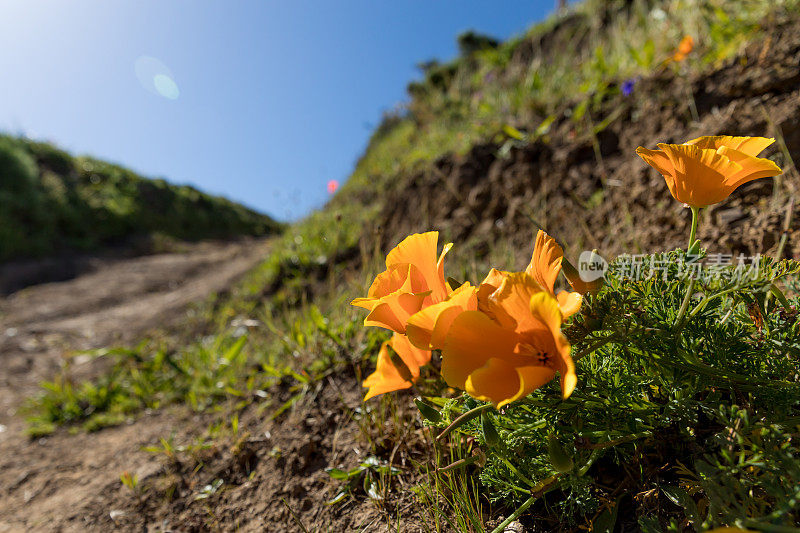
x,y
156,77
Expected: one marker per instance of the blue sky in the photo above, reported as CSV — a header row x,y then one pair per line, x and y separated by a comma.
x,y
260,101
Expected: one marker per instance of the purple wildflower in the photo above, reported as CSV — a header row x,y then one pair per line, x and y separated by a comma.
x,y
627,86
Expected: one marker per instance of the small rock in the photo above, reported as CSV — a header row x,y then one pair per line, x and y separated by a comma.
x,y
116,513
514,527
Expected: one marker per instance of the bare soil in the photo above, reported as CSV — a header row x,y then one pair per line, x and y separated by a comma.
x,y
49,484
272,472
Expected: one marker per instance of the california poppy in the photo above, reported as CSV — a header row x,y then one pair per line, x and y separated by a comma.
x,y
413,279
544,267
427,328
513,348
387,376
707,170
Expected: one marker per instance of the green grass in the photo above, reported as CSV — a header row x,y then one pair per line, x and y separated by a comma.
x,y
54,202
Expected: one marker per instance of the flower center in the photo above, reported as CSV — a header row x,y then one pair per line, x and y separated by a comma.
x,y
529,350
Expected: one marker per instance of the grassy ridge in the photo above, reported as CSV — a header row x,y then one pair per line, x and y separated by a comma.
x,y
52,201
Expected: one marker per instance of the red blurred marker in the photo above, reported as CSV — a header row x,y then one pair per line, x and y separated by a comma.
x,y
332,186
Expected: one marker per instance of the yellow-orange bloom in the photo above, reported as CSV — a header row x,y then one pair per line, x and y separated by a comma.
x,y
684,48
707,170
513,348
413,279
544,267
427,328
387,377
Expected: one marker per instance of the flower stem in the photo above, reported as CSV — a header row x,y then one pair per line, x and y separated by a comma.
x,y
692,281
543,488
684,305
466,417
591,348
693,232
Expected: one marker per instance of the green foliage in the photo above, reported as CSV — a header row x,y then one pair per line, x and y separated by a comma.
x,y
147,377
52,201
371,475
703,416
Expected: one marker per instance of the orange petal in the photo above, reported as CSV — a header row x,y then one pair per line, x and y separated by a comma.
x,y
545,308
686,45
753,168
393,311
386,378
699,174
366,303
510,304
472,340
496,381
405,277
412,356
749,145
419,250
490,284
656,159
428,328
569,302
659,161
546,261
440,267
534,377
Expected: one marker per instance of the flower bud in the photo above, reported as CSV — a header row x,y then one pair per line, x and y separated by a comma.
x,y
428,411
558,457
490,435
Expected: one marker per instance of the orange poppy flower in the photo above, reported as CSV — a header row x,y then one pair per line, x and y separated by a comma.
x,y
512,349
544,267
413,279
707,170
387,377
427,328
684,48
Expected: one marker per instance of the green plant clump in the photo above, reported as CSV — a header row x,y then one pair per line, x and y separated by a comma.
x,y
676,422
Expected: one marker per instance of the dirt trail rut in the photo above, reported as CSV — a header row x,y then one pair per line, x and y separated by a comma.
x,y
46,483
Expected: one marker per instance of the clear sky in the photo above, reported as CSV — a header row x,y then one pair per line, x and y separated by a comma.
x,y
261,101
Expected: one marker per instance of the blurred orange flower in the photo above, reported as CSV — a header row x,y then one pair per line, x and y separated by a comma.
x,y
684,48
413,279
707,170
512,348
387,376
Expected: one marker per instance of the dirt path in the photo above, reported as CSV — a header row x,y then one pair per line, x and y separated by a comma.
x,y
48,482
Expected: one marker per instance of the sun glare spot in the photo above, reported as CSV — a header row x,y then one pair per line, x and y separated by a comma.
x,y
166,87
156,77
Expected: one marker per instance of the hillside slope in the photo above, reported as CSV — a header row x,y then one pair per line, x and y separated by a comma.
x,y
54,203
507,139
